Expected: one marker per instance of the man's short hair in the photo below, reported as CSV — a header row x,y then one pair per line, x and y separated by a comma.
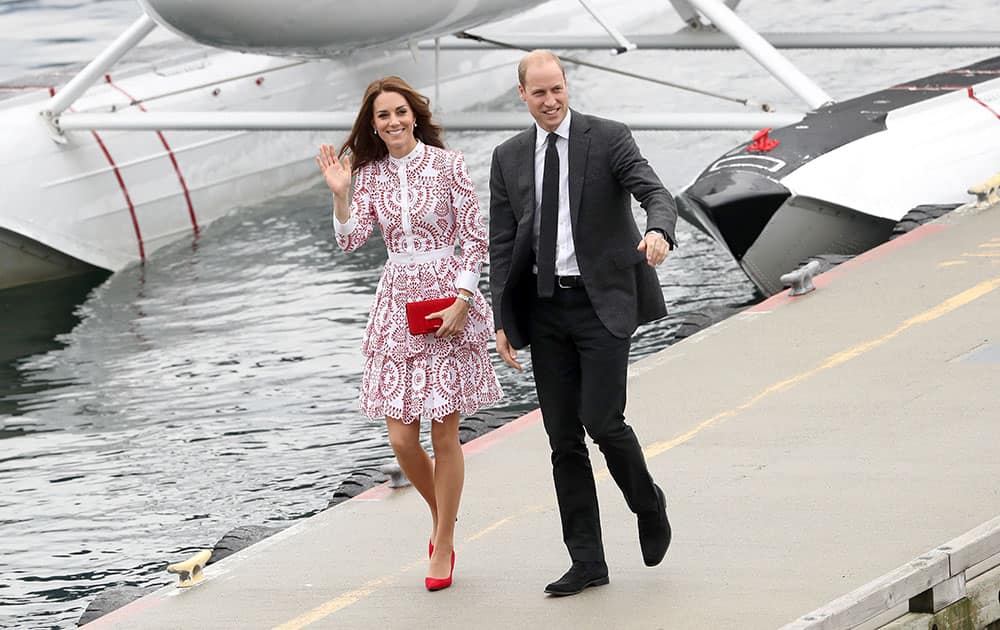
x,y
537,56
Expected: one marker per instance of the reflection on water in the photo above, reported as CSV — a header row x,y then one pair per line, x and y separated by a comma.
x,y
190,394
146,414
34,316
33,320
213,387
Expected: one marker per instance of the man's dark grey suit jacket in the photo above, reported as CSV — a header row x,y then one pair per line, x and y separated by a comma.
x,y
605,170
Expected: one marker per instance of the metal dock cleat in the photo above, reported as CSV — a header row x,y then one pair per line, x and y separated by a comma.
x,y
801,279
397,478
190,571
987,193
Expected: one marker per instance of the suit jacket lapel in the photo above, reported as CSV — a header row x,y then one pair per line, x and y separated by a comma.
x,y
526,172
579,147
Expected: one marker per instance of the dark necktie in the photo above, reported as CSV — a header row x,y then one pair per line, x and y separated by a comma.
x,y
548,224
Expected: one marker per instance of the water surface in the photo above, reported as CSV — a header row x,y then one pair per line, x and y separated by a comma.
x,y
146,413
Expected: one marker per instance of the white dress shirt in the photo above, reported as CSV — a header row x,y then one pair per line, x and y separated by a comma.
x,y
565,253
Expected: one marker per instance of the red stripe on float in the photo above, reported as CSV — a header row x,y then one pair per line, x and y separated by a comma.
x,y
929,88
121,184
128,199
170,154
23,88
973,96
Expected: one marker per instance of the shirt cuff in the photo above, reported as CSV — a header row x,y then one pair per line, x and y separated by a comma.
x,y
468,280
344,229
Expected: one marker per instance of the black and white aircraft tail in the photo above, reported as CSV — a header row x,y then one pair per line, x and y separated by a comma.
x,y
839,180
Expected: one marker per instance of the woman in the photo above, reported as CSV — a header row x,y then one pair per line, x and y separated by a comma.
x,y
424,201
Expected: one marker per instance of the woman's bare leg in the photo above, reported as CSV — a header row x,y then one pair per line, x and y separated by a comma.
x,y
449,477
415,462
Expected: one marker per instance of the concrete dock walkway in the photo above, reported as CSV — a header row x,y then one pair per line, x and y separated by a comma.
x,y
806,446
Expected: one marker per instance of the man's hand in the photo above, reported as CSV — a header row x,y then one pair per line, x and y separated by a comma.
x,y
656,248
507,351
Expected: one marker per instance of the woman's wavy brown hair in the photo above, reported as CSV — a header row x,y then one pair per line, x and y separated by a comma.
x,y
366,147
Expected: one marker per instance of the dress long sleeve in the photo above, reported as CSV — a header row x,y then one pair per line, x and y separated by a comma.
x,y
425,203
353,234
471,229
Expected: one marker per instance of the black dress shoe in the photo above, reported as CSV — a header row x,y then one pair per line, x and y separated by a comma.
x,y
654,532
580,576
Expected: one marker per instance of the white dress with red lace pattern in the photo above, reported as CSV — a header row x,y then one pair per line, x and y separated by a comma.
x,y
425,203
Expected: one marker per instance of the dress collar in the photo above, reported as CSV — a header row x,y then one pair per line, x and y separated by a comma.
x,y
414,153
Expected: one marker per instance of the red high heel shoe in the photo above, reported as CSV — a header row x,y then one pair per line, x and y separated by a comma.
x,y
430,552
437,584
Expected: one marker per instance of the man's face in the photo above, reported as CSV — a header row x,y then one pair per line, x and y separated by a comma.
x,y
546,94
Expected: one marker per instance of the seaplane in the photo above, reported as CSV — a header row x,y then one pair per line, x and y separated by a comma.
x,y
147,145
840,181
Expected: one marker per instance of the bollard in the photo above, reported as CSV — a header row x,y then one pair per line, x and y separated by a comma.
x,y
801,279
987,193
397,479
190,571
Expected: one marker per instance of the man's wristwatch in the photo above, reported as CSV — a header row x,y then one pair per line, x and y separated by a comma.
x,y
466,298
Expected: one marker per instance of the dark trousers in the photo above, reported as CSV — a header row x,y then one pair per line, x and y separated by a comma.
x,y
580,374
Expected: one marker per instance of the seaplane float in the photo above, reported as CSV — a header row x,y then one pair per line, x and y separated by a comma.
x,y
839,181
147,145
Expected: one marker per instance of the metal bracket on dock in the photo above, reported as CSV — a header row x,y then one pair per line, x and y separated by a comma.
x,y
987,193
939,596
801,279
397,478
190,571
952,586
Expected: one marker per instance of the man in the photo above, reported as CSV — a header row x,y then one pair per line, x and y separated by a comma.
x,y
572,277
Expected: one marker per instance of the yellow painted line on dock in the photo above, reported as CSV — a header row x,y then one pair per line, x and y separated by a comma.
x,y
832,361
534,509
344,600
991,245
334,605
957,301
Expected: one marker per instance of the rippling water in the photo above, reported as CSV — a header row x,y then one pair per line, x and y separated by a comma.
x,y
147,413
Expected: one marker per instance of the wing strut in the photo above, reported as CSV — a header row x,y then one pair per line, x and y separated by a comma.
x,y
580,62
624,45
94,70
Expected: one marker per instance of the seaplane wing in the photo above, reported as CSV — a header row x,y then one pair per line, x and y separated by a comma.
x,y
132,155
125,159
323,29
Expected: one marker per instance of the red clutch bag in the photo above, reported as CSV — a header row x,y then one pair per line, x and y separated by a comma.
x,y
417,311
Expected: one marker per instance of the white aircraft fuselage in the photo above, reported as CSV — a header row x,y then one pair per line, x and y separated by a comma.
x,y
314,29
